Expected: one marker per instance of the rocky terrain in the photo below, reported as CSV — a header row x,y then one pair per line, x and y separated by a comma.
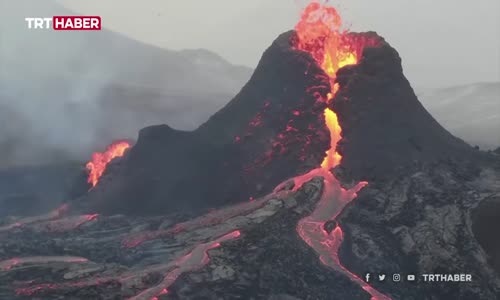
x,y
418,223
245,207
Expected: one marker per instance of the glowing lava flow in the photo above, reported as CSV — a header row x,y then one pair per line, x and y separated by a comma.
x,y
66,224
216,217
53,215
97,165
332,158
7,265
192,261
319,33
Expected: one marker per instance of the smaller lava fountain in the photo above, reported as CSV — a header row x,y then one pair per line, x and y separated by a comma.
x,y
97,165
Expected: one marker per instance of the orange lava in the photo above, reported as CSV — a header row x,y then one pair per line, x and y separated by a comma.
x,y
319,33
194,260
97,165
332,158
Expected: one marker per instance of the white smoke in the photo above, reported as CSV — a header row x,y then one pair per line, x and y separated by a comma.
x,y
66,94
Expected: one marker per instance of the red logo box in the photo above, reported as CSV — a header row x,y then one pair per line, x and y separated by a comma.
x,y
76,22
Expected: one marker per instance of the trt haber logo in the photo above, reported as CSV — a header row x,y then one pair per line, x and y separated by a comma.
x,y
65,22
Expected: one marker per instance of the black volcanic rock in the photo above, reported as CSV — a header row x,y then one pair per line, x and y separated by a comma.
x,y
485,217
418,223
385,127
273,129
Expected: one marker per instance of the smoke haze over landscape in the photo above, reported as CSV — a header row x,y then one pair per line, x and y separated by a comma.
x,y
471,112
66,94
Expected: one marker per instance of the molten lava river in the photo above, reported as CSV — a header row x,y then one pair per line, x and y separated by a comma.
x,y
319,34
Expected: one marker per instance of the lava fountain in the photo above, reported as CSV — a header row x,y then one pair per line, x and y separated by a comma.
x,y
97,165
319,33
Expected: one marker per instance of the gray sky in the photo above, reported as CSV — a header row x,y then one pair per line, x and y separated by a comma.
x,y
442,42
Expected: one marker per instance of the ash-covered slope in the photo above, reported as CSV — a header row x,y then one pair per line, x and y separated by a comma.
x,y
271,130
